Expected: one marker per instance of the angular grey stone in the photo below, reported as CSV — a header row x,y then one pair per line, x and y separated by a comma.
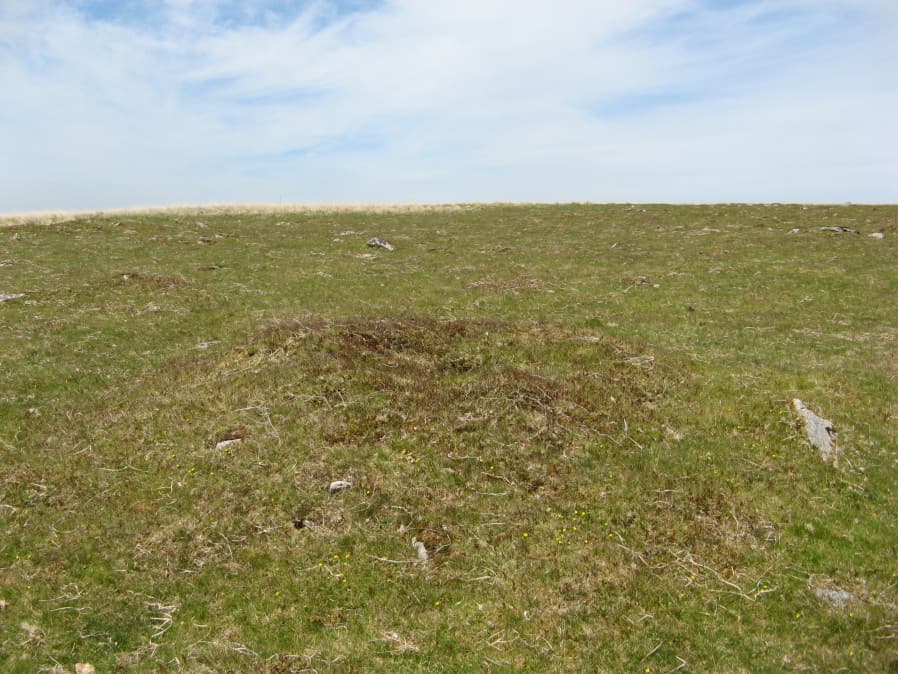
x,y
839,229
14,296
820,433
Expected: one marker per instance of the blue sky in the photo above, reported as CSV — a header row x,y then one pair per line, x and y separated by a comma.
x,y
116,103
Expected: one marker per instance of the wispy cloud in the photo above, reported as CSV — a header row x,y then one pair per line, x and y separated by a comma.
x,y
114,103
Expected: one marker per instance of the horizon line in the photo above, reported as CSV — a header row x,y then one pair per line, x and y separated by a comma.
x,y
57,216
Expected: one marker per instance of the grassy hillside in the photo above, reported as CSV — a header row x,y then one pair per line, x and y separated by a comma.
x,y
580,415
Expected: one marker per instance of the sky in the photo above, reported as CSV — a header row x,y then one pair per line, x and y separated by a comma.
x,y
121,103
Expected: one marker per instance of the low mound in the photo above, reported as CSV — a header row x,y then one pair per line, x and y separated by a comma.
x,y
477,452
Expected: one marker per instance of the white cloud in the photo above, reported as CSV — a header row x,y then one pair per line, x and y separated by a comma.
x,y
647,100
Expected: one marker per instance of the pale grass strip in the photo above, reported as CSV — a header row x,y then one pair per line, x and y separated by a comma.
x,y
60,216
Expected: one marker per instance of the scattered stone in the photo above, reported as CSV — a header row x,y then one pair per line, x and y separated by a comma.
x,y
877,235
338,486
380,243
9,298
6,263
794,230
420,550
820,432
837,598
302,523
839,229
224,444
85,668
3,604
346,232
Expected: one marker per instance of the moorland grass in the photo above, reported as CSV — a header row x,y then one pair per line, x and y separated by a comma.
x,y
581,412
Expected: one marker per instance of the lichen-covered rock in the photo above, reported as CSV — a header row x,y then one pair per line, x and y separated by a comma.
x,y
820,433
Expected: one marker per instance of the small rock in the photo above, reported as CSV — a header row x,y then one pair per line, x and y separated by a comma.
x,y
338,486
14,296
420,550
877,235
224,444
380,243
3,604
794,230
820,432
837,598
839,229
85,668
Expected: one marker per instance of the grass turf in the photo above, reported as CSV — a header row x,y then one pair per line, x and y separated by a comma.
x,y
581,412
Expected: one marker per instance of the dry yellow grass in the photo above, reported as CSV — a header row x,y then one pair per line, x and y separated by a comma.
x,y
58,216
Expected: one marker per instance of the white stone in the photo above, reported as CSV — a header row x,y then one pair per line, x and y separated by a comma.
x,y
420,550
380,243
338,485
839,229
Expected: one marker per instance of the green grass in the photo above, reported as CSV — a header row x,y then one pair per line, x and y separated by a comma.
x,y
581,411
